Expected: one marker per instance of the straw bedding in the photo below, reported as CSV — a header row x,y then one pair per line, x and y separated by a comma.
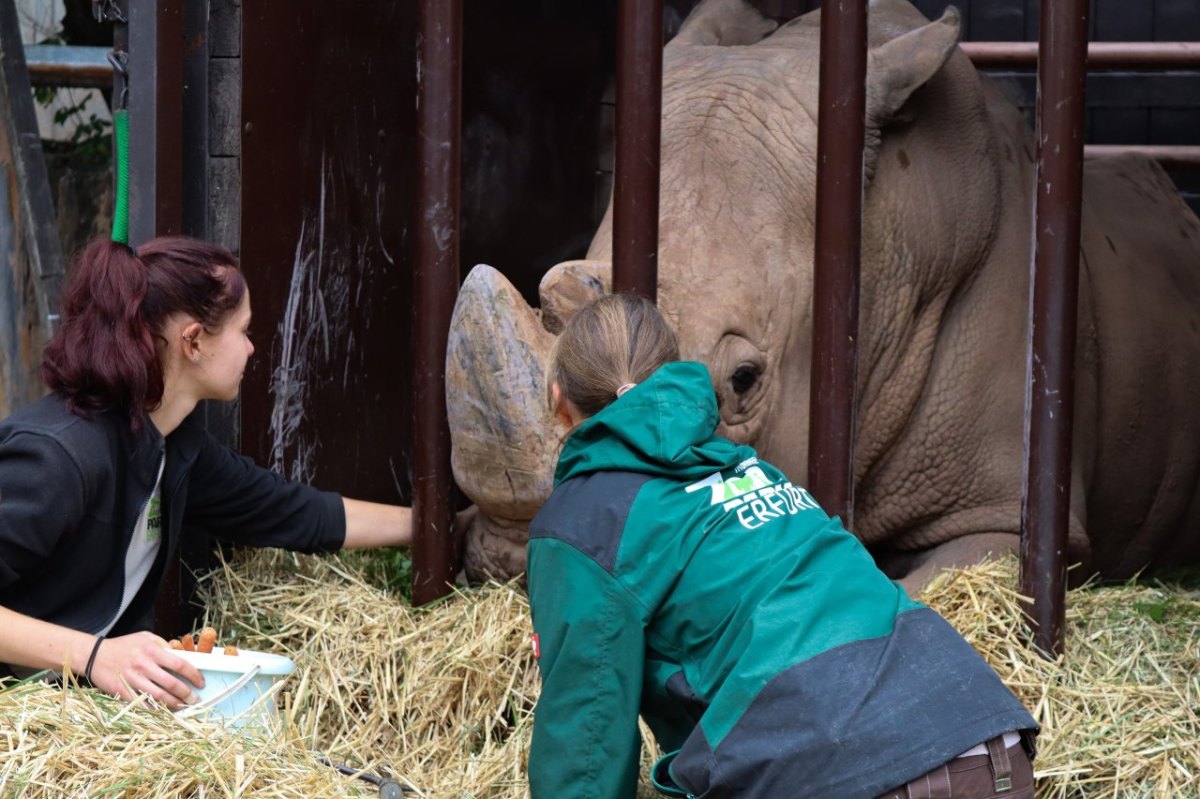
x,y
442,698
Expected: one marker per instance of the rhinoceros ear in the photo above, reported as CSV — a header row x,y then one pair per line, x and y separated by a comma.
x,y
724,22
569,286
899,67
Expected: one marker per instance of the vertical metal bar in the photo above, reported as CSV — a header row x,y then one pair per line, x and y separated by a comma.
x,y
1054,284
120,86
638,145
439,116
153,39
838,250
155,118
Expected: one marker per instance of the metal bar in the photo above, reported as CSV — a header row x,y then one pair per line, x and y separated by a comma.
x,y
1177,157
1054,286
153,42
1100,55
436,279
638,145
838,250
120,49
62,65
155,118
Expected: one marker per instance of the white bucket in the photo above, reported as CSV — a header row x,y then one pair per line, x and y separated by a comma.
x,y
237,688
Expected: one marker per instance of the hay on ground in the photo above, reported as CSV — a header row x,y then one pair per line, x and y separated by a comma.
x,y
442,697
1120,711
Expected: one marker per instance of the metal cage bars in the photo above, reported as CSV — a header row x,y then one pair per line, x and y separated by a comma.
x,y
1063,49
435,285
1063,52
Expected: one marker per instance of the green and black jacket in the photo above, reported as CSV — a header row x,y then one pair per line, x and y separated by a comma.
x,y
674,574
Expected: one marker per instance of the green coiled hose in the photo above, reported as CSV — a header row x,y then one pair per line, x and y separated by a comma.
x,y
120,231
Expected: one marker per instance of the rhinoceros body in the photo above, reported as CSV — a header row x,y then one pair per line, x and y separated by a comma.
x,y
943,315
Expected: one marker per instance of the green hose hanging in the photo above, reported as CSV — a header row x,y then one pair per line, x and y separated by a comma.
x,y
120,231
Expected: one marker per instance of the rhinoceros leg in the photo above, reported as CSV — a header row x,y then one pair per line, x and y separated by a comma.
x,y
504,438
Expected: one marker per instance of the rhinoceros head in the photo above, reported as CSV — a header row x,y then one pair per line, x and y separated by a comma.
x,y
739,138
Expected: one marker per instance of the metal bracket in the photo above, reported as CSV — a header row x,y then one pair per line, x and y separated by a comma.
x,y
119,59
108,11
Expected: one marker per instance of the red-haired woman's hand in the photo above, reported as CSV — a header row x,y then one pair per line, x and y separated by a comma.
x,y
141,663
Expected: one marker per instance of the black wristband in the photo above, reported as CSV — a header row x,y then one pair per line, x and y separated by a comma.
x,y
87,673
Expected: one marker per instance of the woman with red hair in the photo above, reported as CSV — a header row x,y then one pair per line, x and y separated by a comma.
x,y
98,478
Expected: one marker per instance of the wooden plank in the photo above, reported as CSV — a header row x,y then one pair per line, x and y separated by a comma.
x,y
33,243
225,28
224,188
194,166
327,196
60,65
225,107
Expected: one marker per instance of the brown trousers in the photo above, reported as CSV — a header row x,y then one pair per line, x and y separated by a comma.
x,y
1000,774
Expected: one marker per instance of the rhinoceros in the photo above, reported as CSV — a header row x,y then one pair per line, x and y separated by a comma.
x,y
949,167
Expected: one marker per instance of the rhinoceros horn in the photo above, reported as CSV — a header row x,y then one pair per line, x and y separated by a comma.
x,y
504,439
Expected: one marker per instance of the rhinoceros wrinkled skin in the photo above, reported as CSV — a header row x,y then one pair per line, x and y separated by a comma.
x,y
943,315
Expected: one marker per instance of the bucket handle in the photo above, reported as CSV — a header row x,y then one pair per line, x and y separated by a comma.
x,y
217,699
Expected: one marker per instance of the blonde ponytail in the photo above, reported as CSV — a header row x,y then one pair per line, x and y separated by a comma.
x,y
607,347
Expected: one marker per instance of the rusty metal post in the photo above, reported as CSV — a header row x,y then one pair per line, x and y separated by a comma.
x,y
1054,285
148,45
155,78
638,144
838,250
439,115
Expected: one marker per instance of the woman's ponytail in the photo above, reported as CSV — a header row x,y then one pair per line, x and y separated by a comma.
x,y
607,347
103,354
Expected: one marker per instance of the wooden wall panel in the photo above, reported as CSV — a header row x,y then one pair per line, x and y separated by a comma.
x,y
327,181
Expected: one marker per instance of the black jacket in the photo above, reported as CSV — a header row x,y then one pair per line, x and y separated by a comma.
x,y
71,491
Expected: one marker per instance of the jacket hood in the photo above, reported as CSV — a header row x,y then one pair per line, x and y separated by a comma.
x,y
663,426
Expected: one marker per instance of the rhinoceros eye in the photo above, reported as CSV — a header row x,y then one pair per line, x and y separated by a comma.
x,y
744,378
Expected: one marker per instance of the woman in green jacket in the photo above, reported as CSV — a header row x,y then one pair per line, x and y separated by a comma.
x,y
674,574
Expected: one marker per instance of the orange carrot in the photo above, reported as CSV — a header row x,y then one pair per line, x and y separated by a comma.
x,y
208,638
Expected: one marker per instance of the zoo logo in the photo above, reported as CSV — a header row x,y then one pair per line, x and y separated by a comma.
x,y
756,499
154,520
